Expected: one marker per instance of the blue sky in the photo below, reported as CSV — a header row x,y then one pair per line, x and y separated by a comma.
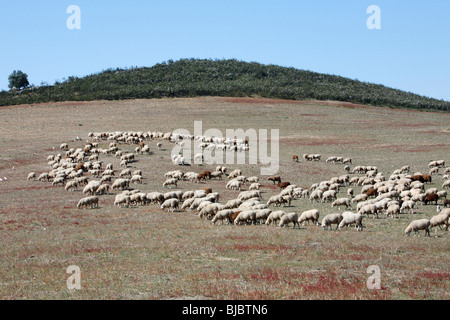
x,y
411,51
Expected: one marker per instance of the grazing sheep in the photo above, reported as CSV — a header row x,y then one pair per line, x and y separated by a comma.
x,y
43,176
329,195
283,185
155,198
369,209
446,184
288,218
233,185
341,202
440,219
170,204
245,217
434,170
136,179
276,200
71,185
223,215
170,182
332,218
442,194
262,215
122,199
430,198
252,180
209,209
407,205
233,203
417,225
58,180
316,195
255,186
274,179
350,192
393,210
274,217
359,198
350,218
216,174
234,174
309,215
104,188
31,175
92,202
125,173
120,184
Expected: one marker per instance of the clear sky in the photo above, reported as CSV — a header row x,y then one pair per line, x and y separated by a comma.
x,y
410,52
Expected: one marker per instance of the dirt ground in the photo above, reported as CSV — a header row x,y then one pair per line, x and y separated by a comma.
x,y
145,253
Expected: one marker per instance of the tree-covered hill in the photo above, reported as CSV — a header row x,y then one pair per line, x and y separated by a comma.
x,y
232,78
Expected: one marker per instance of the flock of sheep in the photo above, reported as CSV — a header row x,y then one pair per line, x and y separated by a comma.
x,y
401,192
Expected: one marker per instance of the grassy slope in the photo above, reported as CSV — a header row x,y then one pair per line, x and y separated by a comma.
x,y
193,77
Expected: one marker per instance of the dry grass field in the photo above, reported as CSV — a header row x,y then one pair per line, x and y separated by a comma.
x,y
145,253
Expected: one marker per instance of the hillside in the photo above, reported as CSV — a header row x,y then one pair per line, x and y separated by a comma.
x,y
194,77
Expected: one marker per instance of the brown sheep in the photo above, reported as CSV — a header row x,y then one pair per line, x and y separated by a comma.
x,y
295,158
417,178
371,192
430,198
206,174
233,216
426,178
447,203
283,185
207,190
80,166
274,179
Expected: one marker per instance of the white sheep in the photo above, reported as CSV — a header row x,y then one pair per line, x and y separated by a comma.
x,y
233,185
92,202
120,184
246,216
287,218
262,215
446,184
170,182
440,219
210,210
136,179
417,225
369,209
233,203
350,218
359,198
393,210
330,219
274,217
222,215
309,215
31,175
170,204
104,188
254,186
407,205
341,202
316,195
155,197
71,185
